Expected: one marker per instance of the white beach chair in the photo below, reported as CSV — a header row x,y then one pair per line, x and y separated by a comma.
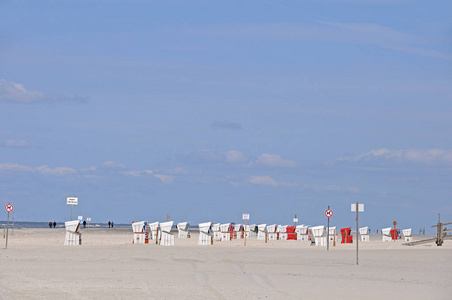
x,y
139,232
261,231
332,235
364,232
271,232
318,235
302,232
250,230
73,235
225,233
216,232
182,230
204,234
238,231
282,230
166,238
386,232
153,227
407,235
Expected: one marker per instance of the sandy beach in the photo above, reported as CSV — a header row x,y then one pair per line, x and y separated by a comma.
x,y
107,265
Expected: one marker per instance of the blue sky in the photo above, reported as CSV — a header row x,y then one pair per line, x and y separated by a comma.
x,y
205,110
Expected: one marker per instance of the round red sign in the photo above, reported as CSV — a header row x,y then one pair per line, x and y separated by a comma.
x,y
328,213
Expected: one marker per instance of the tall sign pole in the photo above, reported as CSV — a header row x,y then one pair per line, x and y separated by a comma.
x,y
245,217
328,214
358,208
9,208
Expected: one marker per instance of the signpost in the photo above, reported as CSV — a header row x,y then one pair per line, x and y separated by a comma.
x,y
328,214
89,220
9,208
358,208
245,217
71,201
295,220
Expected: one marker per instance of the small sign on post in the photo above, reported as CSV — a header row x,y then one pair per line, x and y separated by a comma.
x,y
71,201
245,217
328,214
9,208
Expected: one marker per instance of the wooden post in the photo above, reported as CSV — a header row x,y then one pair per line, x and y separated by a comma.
x,y
328,234
7,227
157,237
357,230
245,229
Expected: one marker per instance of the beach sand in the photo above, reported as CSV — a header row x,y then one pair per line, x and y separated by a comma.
x,y
107,265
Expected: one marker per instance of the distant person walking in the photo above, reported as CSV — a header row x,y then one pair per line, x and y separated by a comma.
x,y
84,224
112,224
50,224
109,224
54,224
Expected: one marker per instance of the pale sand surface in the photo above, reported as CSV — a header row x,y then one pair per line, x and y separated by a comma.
x,y
36,265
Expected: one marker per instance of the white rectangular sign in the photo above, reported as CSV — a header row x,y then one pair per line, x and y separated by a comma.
x,y
72,201
295,220
360,207
88,219
80,218
246,216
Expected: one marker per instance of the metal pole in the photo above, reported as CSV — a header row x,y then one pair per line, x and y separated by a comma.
x,y
356,233
7,227
245,229
328,234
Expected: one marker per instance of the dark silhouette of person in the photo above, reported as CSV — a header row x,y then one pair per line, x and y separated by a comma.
x,y
109,224
112,224
84,224
54,224
50,224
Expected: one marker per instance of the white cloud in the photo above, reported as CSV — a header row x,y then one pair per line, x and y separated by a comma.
x,y
137,173
177,171
58,171
428,156
235,156
8,143
267,180
273,160
17,93
15,167
165,178
46,170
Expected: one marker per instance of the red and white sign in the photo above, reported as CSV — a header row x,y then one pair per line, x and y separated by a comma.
x,y
9,207
328,213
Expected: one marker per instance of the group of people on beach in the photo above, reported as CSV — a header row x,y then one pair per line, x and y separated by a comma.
x,y
52,224
110,224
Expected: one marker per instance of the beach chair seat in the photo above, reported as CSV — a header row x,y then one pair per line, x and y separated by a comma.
x,y
302,232
166,238
272,233
318,237
261,231
226,231
282,232
153,229
250,231
182,230
204,234
386,233
364,233
73,236
408,237
140,235
216,232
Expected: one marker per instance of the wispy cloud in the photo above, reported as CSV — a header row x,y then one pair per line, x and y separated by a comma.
x,y
9,143
137,173
113,165
429,156
267,180
273,160
45,170
362,33
167,179
17,93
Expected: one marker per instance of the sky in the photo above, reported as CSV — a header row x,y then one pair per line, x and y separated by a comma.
x,y
205,110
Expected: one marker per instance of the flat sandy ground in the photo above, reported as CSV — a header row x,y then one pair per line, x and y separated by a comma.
x,y
37,265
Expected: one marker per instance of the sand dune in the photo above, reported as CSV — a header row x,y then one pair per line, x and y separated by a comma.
x,y
36,265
